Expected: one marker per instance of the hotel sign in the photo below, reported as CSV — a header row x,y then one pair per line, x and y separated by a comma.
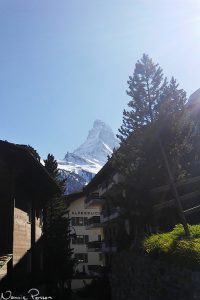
x,y
96,213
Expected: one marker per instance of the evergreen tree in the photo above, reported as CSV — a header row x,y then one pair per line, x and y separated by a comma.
x,y
51,165
157,109
145,89
157,114
59,264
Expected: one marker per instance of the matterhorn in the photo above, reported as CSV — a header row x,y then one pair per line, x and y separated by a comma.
x,y
81,166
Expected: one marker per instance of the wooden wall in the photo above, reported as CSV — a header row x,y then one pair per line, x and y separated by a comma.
x,y
21,235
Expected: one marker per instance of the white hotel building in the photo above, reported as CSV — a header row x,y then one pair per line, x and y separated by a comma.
x,y
88,233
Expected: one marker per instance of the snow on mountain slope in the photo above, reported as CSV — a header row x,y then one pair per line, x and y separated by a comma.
x,y
80,166
99,143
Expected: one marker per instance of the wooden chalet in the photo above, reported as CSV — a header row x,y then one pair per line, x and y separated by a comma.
x,y
25,187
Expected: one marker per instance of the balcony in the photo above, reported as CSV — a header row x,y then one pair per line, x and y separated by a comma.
x,y
105,187
93,200
94,246
93,223
109,247
95,270
110,215
110,186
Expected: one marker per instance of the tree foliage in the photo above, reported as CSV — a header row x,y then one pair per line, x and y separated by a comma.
x,y
145,89
51,165
157,115
156,110
59,264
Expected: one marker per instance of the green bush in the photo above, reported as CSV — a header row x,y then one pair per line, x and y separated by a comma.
x,y
174,247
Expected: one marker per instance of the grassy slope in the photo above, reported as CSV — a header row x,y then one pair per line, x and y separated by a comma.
x,y
175,248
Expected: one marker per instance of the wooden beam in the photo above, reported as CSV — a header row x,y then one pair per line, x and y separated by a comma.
x,y
171,202
165,188
192,210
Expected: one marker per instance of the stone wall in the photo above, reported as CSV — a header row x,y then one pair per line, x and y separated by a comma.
x,y
138,277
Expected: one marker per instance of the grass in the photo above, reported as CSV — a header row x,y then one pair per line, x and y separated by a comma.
x,y
174,247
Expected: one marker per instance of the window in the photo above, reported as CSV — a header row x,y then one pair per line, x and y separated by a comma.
x,y
86,239
79,221
73,221
85,221
81,257
80,239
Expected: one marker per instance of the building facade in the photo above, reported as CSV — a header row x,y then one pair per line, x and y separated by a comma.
x,y
107,186
87,236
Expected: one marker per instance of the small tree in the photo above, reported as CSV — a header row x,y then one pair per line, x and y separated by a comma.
x,y
51,166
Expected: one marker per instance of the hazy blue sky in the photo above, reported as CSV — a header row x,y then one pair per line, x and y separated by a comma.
x,y
64,63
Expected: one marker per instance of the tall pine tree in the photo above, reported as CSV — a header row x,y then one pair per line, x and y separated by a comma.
x,y
156,111
145,89
59,264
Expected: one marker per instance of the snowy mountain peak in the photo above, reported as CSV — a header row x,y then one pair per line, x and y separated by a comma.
x,y
98,123
99,144
80,166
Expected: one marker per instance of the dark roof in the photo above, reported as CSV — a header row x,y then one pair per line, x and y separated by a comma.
x,y
74,196
28,171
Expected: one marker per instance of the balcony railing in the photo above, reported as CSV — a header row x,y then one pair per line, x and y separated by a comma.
x,y
93,222
107,185
109,247
104,187
109,215
94,246
93,199
95,270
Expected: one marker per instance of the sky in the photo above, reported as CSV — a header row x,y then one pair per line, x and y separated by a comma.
x,y
65,63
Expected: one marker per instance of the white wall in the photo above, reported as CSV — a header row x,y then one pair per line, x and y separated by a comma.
x,y
77,209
